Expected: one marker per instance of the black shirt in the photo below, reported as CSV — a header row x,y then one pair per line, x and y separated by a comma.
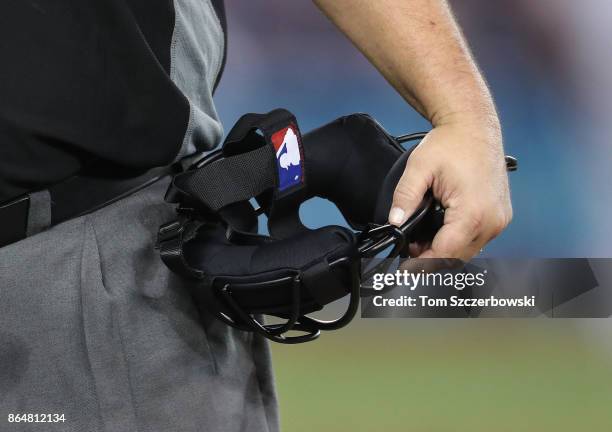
x,y
85,86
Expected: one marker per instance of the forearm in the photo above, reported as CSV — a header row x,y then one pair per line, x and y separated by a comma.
x,y
419,49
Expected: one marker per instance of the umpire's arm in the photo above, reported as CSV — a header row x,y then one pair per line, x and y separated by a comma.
x,y
418,47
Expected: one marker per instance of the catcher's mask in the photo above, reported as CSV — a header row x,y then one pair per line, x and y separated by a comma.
x,y
240,274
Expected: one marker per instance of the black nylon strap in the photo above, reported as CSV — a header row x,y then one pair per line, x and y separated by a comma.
x,y
247,167
266,123
171,238
282,208
284,218
230,180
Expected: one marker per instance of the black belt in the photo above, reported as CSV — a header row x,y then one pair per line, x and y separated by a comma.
x,y
74,197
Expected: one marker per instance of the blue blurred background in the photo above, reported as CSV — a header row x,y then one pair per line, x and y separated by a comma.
x,y
545,60
549,65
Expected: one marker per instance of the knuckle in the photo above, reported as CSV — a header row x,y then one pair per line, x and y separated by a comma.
x,y
405,194
489,220
499,222
452,243
497,227
475,220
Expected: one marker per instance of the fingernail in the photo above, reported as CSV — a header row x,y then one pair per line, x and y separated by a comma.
x,y
396,216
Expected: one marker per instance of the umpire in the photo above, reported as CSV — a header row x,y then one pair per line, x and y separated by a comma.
x,y
100,101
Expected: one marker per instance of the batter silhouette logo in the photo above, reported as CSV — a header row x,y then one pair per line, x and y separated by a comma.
x,y
288,158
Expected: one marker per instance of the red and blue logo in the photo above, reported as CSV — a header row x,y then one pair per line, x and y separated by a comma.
x,y
289,161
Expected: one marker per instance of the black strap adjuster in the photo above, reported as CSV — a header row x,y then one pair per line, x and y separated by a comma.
x,y
170,239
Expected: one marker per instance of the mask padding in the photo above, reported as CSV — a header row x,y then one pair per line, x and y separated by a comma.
x,y
212,253
347,161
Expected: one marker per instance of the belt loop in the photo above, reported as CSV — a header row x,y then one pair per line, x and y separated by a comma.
x,y
39,215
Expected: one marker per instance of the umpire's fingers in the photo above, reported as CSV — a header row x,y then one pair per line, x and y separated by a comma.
x,y
410,190
464,233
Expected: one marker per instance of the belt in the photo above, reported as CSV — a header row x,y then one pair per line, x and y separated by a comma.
x,y
74,197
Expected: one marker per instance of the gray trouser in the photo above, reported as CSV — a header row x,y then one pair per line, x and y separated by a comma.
x,y
95,327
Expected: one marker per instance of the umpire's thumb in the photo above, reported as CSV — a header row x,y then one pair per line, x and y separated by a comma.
x,y
409,191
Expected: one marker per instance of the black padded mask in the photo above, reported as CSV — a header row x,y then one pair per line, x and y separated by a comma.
x,y
238,273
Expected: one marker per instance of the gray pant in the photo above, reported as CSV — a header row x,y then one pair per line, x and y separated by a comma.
x,y
95,327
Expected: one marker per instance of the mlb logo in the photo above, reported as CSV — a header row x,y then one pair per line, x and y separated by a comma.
x,y
288,157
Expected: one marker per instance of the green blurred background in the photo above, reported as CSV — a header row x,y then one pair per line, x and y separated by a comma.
x,y
481,375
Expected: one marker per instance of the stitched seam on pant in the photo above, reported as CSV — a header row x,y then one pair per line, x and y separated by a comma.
x,y
86,341
258,380
90,225
129,377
